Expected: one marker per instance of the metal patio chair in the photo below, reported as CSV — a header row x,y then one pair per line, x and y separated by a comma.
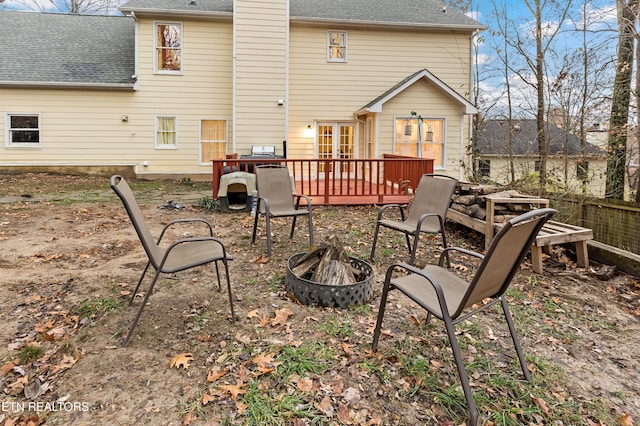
x,y
178,256
426,213
445,295
276,198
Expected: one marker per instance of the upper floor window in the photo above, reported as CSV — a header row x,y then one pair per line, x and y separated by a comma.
x,y
213,140
166,133
337,46
168,47
23,130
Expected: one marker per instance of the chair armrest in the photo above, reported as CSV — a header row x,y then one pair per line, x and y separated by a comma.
x,y
307,199
400,207
181,221
458,249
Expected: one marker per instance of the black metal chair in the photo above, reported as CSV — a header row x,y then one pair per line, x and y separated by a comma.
x,y
445,295
183,254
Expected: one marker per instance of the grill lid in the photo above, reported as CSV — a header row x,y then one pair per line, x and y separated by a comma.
x,y
263,150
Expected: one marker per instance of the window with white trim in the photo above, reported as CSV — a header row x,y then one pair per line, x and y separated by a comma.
x,y
166,133
337,46
213,140
168,45
23,130
421,137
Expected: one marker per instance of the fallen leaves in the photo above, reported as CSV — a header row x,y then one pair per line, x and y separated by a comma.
x,y
181,360
281,317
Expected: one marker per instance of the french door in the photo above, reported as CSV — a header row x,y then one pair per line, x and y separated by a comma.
x,y
335,141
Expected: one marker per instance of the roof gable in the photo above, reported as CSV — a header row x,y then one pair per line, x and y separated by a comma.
x,y
376,104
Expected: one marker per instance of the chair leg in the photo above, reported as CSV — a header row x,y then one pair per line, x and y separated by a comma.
x,y
133,296
462,372
226,271
383,305
268,235
514,337
310,219
144,303
255,223
444,241
375,241
293,226
412,251
218,276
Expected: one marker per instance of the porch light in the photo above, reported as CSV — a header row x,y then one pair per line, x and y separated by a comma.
x,y
308,132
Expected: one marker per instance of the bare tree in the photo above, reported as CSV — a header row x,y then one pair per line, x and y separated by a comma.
x,y
579,81
617,141
80,7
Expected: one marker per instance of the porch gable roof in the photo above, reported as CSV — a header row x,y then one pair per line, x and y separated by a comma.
x,y
376,104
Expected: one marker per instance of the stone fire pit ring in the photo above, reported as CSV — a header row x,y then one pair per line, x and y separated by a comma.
x,y
330,296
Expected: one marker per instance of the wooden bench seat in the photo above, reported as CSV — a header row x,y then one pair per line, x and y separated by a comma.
x,y
552,233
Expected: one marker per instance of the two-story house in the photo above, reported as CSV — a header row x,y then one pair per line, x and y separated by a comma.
x,y
173,84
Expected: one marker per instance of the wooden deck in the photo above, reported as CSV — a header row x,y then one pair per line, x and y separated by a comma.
x,y
392,179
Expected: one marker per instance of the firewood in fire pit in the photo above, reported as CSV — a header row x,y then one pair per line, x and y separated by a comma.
x,y
328,264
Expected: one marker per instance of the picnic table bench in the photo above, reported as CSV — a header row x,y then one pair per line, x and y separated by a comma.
x,y
552,233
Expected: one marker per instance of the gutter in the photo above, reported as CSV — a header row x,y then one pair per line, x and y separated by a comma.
x,y
201,15
378,24
61,85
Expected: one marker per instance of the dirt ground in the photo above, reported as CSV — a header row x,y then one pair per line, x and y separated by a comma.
x,y
69,259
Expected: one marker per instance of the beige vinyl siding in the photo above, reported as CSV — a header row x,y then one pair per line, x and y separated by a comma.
x,y
377,60
261,29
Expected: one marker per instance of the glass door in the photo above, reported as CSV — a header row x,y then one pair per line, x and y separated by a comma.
x,y
335,141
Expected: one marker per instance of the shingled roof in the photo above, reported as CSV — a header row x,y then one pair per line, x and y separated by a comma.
x,y
404,13
493,139
61,50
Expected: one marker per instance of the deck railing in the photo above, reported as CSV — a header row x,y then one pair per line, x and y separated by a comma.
x,y
342,181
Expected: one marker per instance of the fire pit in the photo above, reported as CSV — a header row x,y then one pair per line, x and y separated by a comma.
x,y
331,295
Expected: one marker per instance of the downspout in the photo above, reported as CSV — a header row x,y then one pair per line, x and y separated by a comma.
x,y
233,82
136,52
286,83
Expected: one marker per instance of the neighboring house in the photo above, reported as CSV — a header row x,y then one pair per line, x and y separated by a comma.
x,y
566,167
174,84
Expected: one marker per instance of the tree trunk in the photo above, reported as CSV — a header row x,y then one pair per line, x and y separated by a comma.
x,y
617,142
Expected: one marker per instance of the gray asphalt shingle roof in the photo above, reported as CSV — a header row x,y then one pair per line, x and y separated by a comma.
x,y
426,13
493,139
62,49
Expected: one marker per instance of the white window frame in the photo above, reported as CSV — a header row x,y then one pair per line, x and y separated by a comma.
x,y
159,145
8,139
425,128
156,48
330,57
201,141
